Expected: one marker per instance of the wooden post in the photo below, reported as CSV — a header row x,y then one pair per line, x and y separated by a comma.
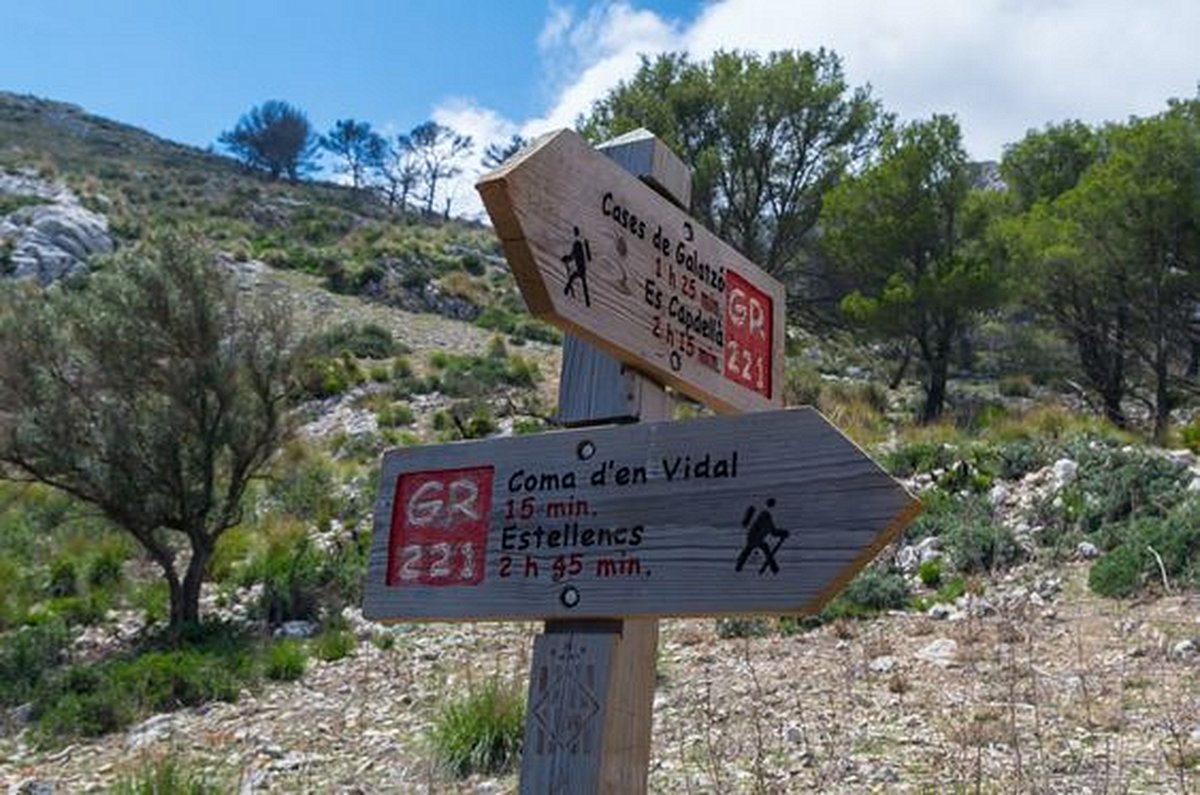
x,y
591,687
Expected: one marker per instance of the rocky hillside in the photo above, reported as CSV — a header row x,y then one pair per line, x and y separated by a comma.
x,y
1037,629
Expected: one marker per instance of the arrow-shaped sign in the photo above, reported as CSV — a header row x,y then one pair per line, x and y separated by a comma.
x,y
601,254
769,512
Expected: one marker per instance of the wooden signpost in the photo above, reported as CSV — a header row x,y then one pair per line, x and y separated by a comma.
x,y
763,513
600,531
600,254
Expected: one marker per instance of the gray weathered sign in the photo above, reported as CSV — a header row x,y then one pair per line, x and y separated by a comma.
x,y
759,513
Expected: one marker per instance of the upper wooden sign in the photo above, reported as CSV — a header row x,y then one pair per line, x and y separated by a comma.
x,y
765,512
601,254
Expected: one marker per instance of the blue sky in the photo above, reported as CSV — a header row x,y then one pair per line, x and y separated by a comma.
x,y
187,69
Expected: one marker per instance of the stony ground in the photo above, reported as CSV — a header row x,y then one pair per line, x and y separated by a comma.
x,y
1055,691
1037,686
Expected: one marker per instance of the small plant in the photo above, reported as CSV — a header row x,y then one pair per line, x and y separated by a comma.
x,y
1016,385
166,775
363,341
27,655
1119,573
742,627
286,660
334,643
395,415
480,731
930,573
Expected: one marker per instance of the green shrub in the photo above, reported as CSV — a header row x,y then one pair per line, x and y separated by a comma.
x,y
292,574
213,662
322,377
1144,550
930,573
104,570
1116,483
980,544
167,775
395,415
742,627
286,660
334,643
302,485
872,591
401,368
364,341
469,376
1015,385
1190,435
1119,572
26,655
802,384
518,325
64,581
974,541
480,731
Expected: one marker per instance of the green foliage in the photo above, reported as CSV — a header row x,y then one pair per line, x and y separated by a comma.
x,y
742,627
974,541
802,385
359,148
167,775
1016,385
325,377
26,654
1119,573
908,235
767,137
292,572
300,580
470,376
362,340
395,415
480,731
273,137
286,660
154,392
302,485
10,203
212,663
1190,435
1114,483
930,573
1143,551
333,643
871,592
518,325
1097,207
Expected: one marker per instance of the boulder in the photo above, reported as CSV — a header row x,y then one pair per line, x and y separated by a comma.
x,y
50,241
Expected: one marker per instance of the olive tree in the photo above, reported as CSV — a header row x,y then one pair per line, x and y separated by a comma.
x,y
154,391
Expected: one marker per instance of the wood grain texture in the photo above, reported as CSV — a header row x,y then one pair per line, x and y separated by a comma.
x,y
569,687
656,518
643,155
690,311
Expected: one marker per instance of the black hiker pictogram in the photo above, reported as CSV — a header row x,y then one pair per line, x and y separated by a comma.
x,y
576,262
758,528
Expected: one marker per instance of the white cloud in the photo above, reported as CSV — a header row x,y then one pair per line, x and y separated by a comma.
x,y
1001,66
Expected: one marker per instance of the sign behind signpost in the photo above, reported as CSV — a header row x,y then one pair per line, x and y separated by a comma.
x,y
601,254
763,513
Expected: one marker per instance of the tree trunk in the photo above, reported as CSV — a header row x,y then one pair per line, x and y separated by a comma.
x,y
935,389
905,360
1162,392
202,549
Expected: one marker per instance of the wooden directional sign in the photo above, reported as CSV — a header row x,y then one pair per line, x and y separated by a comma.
x,y
599,253
759,513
